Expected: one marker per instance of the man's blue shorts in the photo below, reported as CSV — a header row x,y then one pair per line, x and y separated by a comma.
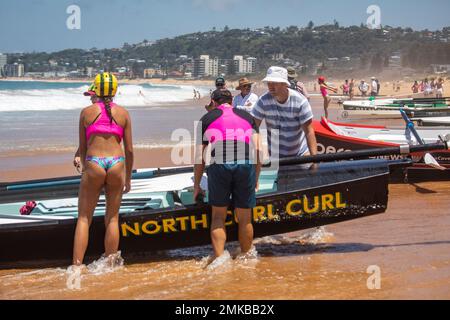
x,y
232,184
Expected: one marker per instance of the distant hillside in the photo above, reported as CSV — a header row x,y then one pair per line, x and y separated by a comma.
x,y
301,46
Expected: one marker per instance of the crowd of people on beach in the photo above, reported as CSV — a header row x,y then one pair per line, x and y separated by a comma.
x,y
105,153
429,87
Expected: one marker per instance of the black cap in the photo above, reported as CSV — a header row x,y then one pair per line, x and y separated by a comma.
x,y
221,94
220,81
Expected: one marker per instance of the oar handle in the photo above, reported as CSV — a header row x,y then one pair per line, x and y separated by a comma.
x,y
362,154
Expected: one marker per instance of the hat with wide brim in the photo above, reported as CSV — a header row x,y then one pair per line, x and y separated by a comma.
x,y
277,74
291,72
243,82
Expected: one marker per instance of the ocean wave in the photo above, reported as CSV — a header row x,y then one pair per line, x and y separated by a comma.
x,y
55,96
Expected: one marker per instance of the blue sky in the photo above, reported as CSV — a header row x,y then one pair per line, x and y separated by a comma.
x,y
40,25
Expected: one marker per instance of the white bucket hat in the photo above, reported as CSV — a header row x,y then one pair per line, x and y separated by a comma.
x,y
277,74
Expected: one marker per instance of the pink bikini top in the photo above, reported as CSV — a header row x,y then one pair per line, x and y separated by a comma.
x,y
103,125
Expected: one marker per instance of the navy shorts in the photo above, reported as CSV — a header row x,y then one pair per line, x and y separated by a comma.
x,y
232,184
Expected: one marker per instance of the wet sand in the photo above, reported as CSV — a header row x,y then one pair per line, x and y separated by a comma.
x,y
410,244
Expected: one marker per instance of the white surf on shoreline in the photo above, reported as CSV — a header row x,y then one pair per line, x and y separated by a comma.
x,y
33,96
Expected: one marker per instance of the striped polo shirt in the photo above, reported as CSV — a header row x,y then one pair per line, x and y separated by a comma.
x,y
284,123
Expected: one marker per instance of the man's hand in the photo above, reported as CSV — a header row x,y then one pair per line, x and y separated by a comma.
x,y
198,192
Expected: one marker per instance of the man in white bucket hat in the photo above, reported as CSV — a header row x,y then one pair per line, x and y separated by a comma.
x,y
288,117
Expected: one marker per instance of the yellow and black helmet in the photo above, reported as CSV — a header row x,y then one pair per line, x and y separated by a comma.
x,y
105,84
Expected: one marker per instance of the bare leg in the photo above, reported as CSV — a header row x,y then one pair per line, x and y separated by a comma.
x,y
218,232
245,229
91,185
326,102
115,180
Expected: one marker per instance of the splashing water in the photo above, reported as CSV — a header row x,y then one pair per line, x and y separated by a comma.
x,y
106,264
222,262
311,237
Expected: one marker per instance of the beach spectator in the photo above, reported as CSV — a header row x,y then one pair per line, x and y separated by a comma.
x,y
433,85
378,86
428,90
291,132
246,99
345,88
351,89
363,88
399,87
295,84
233,172
373,87
440,88
422,87
324,91
415,87
93,97
106,165
220,83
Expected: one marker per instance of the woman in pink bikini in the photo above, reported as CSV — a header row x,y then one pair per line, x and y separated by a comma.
x,y
324,91
106,165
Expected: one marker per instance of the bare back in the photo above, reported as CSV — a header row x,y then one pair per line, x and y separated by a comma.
x,y
103,145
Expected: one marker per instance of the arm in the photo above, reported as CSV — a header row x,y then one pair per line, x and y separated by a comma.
x,y
199,167
310,137
129,156
257,143
82,149
77,159
331,88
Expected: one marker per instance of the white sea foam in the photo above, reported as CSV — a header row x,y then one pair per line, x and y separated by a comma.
x,y
54,98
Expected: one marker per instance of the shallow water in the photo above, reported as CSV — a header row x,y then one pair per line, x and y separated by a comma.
x,y
410,245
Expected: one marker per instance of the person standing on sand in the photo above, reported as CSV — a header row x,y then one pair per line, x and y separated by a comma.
x,y
89,93
288,117
351,89
247,99
345,88
428,90
421,87
363,88
232,176
324,91
295,84
105,164
220,83
415,87
373,87
440,88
